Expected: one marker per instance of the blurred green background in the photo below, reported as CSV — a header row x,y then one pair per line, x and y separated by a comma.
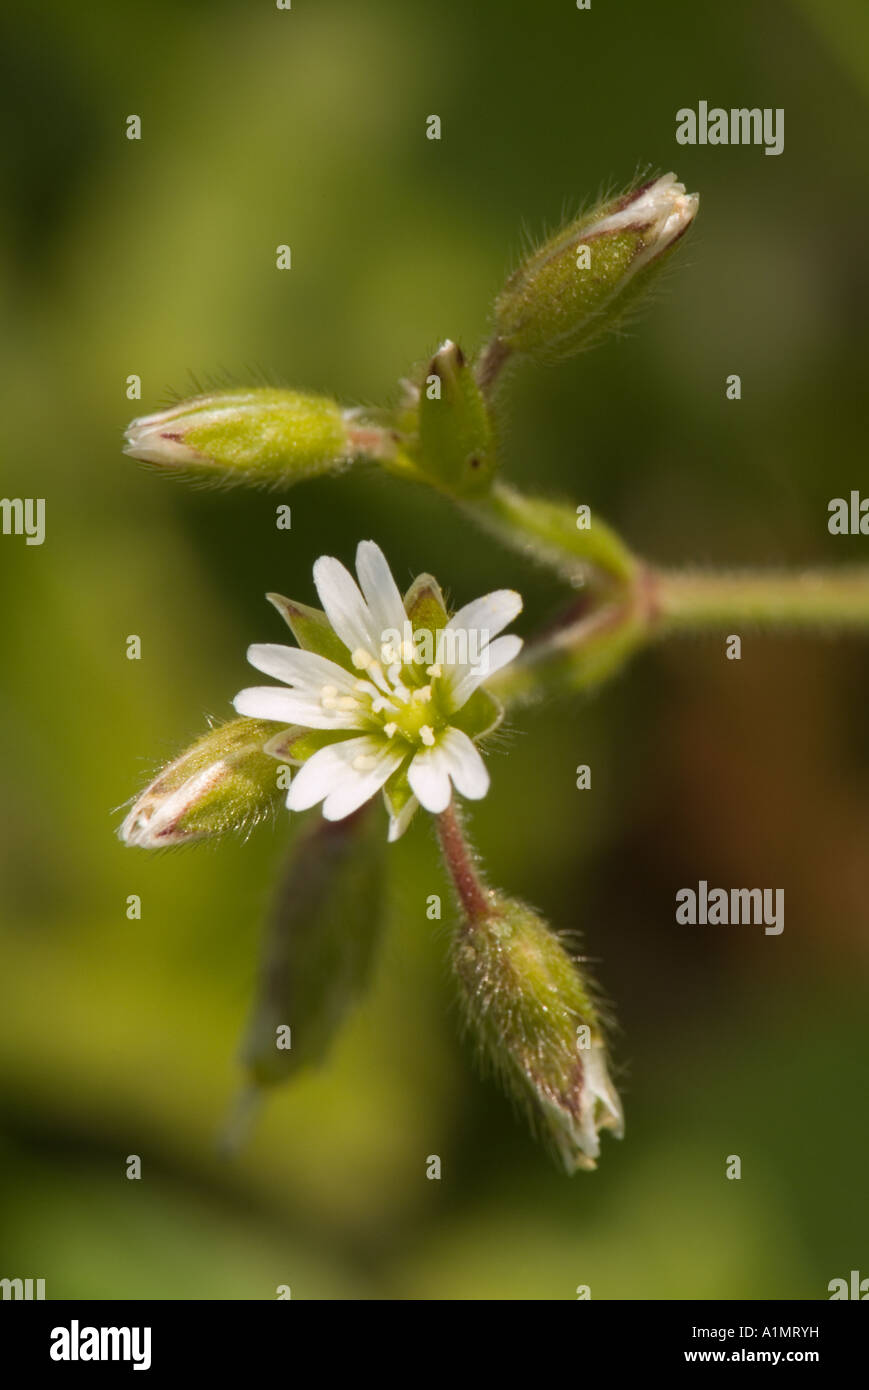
x,y
262,127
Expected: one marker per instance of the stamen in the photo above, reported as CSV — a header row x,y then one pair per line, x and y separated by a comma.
x,y
399,689
423,695
346,702
361,659
381,703
390,729
427,735
434,671
378,677
329,690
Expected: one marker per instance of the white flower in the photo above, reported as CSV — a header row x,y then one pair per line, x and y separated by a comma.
x,y
396,692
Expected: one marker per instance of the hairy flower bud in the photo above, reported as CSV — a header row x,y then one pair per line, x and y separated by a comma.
x,y
528,1005
223,782
530,1008
583,280
262,435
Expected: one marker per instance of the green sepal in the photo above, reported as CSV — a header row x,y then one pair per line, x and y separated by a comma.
x,y
298,744
397,790
478,716
425,606
400,800
455,441
312,630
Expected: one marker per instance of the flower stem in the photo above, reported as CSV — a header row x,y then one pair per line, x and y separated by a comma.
x,y
595,639
474,897
549,532
577,654
684,601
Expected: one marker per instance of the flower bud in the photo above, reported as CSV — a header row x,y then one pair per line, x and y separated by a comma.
x,y
223,782
319,945
529,1007
583,280
258,436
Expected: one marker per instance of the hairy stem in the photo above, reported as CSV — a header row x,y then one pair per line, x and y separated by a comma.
x,y
684,601
548,532
475,898
595,638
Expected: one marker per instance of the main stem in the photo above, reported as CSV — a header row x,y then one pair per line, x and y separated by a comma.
x,y
592,643
688,600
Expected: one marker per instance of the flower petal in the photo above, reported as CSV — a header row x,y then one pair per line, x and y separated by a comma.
x,y
332,777
345,607
285,706
326,769
461,682
381,592
489,614
349,796
466,768
429,777
299,668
